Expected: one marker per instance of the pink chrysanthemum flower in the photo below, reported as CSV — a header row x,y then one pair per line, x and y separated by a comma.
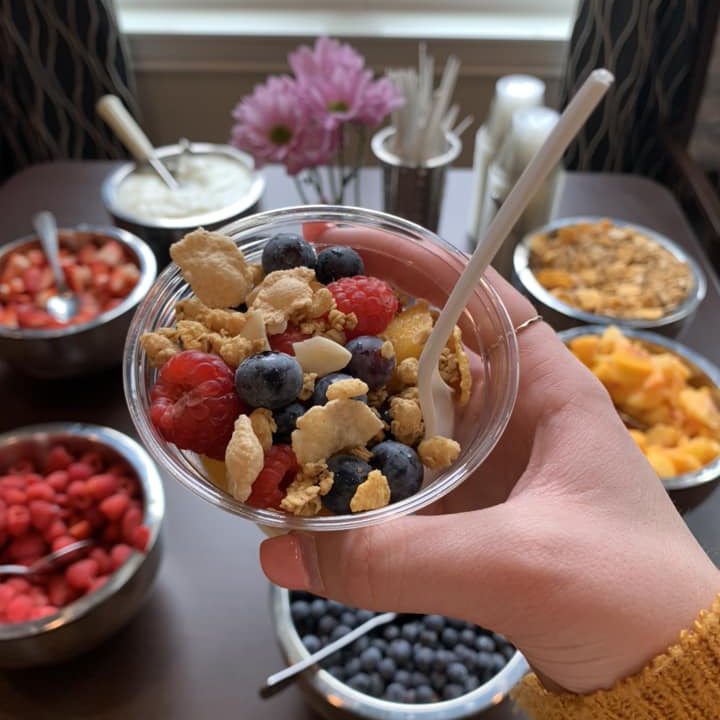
x,y
273,125
337,88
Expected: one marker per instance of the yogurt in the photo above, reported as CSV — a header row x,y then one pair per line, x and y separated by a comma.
x,y
208,182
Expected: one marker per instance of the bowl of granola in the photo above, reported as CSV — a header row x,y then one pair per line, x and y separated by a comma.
x,y
601,272
273,368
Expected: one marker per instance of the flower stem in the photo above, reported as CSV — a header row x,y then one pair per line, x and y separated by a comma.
x,y
318,183
359,157
333,185
301,192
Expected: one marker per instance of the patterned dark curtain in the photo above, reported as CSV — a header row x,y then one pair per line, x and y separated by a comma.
x,y
57,57
655,49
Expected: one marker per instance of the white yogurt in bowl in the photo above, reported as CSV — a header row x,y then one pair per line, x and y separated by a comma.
x,y
207,182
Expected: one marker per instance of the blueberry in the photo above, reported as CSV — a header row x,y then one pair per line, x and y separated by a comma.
x,y
401,466
362,643
498,638
360,682
318,607
285,419
299,610
472,683
410,631
418,678
311,643
370,659
508,651
423,658
348,472
395,692
454,623
391,632
326,624
428,637
353,666
452,691
456,673
424,694
336,262
497,662
285,251
377,685
319,394
465,654
400,651
379,643
438,681
349,618
484,660
467,637
442,659
450,637
484,643
402,677
433,622
338,632
269,379
368,362
337,671
334,659
335,608
364,615
387,668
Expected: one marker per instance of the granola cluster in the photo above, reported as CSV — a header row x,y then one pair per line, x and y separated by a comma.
x,y
609,270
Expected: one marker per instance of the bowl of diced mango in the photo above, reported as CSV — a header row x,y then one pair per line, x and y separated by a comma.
x,y
667,394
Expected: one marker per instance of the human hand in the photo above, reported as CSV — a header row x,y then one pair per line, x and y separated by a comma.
x,y
564,541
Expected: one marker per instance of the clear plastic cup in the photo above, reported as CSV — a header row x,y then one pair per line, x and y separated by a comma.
x,y
412,259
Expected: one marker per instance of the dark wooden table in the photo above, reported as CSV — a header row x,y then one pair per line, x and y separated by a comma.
x,y
203,643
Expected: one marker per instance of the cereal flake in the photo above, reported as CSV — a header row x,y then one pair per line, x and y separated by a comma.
x,y
325,429
214,267
406,372
263,425
372,494
377,398
302,497
346,389
438,452
406,420
244,459
308,386
283,294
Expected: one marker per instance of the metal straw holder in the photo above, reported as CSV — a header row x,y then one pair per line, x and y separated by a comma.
x,y
414,192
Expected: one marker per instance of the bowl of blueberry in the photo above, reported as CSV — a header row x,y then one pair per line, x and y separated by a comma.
x,y
272,368
417,666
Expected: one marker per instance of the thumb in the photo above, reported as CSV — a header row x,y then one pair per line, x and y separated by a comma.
x,y
453,565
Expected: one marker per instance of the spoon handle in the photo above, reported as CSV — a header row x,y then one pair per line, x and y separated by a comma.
x,y
279,677
46,228
130,134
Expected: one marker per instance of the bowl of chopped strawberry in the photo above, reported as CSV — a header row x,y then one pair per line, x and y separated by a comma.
x,y
63,483
109,269
272,368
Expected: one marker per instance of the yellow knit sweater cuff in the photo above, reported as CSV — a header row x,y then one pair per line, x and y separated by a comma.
x,y
682,684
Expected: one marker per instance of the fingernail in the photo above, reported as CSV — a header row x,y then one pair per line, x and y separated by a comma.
x,y
291,561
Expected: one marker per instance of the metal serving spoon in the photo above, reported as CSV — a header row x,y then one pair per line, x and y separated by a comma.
x,y
46,562
280,679
65,305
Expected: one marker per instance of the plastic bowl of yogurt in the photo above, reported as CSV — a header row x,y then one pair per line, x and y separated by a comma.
x,y
218,184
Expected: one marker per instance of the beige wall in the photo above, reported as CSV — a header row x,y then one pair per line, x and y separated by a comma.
x,y
188,86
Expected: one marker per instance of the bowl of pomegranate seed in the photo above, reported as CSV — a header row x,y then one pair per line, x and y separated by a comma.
x,y
109,269
60,484
272,369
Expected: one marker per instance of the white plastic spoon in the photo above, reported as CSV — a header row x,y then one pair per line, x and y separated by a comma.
x,y
436,398
130,134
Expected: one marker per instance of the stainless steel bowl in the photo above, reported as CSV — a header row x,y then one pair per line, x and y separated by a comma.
x,y
78,349
334,699
561,315
160,233
88,621
704,373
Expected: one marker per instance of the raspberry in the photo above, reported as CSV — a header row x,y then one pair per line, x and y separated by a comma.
x,y
277,473
194,404
283,342
371,299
